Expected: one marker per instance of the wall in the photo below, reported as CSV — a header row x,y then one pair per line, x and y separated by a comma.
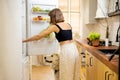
x,y
113,26
10,40
85,28
99,26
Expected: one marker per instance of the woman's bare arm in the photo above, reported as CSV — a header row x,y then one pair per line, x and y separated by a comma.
x,y
49,30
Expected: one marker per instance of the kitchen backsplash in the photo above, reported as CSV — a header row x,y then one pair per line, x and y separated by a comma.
x,y
100,26
113,23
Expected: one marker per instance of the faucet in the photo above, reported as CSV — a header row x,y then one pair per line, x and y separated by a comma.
x,y
118,50
117,40
118,35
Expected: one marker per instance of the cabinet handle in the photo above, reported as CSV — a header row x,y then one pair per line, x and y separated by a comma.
x,y
106,75
87,65
82,53
109,76
91,58
87,53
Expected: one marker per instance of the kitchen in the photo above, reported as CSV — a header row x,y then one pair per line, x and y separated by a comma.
x,y
11,32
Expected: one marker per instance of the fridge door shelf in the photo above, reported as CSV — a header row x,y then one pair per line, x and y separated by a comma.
x,y
43,46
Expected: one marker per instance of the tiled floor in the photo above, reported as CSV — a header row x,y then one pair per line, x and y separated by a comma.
x,y
42,73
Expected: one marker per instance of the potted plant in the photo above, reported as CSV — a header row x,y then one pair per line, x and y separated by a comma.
x,y
94,37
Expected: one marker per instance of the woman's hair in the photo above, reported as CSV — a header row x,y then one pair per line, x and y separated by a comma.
x,y
56,16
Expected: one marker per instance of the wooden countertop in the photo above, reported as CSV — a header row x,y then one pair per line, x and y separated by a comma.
x,y
113,64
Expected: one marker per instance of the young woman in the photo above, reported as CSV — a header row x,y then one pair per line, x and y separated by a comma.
x,y
69,57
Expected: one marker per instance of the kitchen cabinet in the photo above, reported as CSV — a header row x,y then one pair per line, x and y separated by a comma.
x,y
97,67
100,70
102,9
91,67
90,11
94,69
104,73
113,9
109,75
82,62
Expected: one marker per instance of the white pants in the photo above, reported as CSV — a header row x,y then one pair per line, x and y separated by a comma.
x,y
69,62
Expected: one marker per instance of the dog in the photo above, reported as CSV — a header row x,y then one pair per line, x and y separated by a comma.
x,y
53,61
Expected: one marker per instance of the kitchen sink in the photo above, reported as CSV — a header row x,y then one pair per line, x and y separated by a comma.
x,y
108,52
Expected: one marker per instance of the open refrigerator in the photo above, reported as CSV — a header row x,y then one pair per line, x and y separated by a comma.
x,y
38,21
35,19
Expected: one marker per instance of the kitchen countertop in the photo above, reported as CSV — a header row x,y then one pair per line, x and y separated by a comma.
x,y
113,64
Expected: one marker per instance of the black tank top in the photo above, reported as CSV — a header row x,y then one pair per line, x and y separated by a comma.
x,y
63,35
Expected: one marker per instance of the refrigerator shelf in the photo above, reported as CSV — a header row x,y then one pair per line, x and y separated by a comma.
x,y
39,12
40,21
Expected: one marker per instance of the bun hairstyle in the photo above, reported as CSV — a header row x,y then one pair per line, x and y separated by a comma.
x,y
56,16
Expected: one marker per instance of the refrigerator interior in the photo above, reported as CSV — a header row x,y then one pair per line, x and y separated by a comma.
x,y
44,45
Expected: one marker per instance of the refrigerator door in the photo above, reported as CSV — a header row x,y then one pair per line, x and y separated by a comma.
x,y
24,24
43,46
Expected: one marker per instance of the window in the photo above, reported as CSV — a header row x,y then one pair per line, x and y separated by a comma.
x,y
71,12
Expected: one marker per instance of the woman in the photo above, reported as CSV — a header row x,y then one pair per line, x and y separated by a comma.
x,y
69,57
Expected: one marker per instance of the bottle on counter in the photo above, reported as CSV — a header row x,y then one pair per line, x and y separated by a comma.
x,y
106,42
107,37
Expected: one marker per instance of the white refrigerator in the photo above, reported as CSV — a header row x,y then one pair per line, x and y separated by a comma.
x,y
31,25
